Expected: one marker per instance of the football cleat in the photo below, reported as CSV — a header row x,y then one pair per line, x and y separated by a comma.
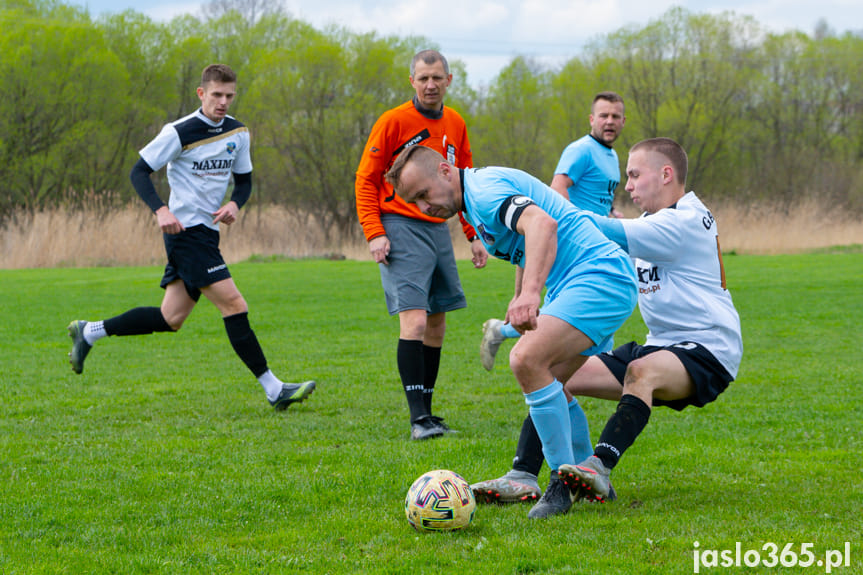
x,y
491,340
514,487
555,501
80,347
292,393
591,477
427,427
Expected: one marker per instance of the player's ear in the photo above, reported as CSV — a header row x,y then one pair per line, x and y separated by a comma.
x,y
667,174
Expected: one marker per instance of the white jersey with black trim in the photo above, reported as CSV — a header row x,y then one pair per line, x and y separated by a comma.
x,y
681,281
200,155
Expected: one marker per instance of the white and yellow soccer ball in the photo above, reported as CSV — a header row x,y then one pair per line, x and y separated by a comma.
x,y
440,500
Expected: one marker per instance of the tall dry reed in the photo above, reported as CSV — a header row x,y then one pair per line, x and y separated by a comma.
x,y
130,236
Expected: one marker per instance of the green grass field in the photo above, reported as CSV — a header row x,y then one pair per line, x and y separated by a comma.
x,y
164,456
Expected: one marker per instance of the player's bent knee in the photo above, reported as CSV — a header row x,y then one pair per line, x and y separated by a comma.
x,y
639,376
523,366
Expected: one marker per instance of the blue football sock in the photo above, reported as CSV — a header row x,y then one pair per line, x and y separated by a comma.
x,y
581,446
509,332
550,416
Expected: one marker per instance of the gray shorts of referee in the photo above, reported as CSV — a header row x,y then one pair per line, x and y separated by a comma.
x,y
422,272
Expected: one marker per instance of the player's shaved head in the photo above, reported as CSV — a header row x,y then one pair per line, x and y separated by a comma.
x,y
671,150
426,159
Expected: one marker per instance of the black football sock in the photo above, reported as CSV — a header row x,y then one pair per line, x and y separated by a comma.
x,y
528,452
411,362
431,359
137,321
245,343
622,429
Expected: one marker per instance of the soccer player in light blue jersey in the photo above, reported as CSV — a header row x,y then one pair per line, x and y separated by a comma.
x,y
694,345
589,282
588,171
587,174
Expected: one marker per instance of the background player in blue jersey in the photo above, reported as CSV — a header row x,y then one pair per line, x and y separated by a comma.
x,y
202,151
694,344
587,174
588,171
589,282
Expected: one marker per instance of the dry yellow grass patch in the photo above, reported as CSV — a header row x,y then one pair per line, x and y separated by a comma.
x,y
131,237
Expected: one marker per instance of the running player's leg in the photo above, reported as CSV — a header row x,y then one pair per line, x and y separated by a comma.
x,y
235,314
136,321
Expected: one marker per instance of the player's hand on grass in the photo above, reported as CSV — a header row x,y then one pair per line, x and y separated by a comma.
x,y
168,222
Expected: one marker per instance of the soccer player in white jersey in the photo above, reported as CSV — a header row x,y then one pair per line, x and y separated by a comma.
x,y
694,345
587,174
202,151
589,281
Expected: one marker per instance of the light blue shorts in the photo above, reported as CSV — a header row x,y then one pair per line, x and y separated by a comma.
x,y
595,303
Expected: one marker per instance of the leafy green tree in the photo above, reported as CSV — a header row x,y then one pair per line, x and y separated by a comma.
x,y
59,83
687,77
511,126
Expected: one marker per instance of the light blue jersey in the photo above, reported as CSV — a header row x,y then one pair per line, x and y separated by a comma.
x,y
595,172
494,199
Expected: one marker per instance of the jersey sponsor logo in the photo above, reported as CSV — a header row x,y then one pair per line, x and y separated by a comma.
x,y
208,165
487,237
707,221
647,275
412,141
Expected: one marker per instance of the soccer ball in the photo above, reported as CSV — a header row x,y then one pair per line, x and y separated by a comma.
x,y
440,500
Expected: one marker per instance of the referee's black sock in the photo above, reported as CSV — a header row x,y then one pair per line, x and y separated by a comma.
x,y
137,321
528,453
622,429
431,363
245,343
411,362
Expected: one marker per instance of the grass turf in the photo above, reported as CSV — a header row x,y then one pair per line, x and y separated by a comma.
x,y
164,456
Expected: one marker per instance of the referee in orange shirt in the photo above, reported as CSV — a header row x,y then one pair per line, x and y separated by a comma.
x,y
402,240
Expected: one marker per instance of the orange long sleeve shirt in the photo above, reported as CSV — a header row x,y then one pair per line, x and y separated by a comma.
x,y
397,129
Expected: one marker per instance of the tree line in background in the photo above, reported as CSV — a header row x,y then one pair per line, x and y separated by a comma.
x,y
775,117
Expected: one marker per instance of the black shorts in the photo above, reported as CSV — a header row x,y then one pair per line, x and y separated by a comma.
x,y
708,375
194,257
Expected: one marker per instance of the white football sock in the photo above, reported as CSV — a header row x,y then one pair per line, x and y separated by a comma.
x,y
271,384
94,331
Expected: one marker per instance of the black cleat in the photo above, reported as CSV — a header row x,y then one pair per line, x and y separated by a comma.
x,y
555,501
80,347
